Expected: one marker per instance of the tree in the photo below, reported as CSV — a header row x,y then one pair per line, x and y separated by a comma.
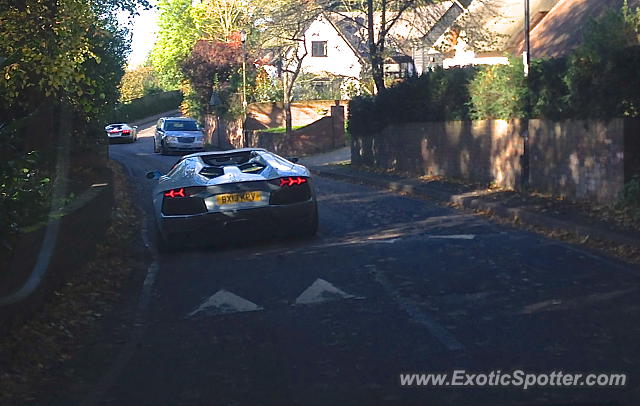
x,y
284,32
218,20
375,19
175,39
137,83
212,66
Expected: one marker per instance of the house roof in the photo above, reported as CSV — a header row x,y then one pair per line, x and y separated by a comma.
x,y
560,31
412,25
492,25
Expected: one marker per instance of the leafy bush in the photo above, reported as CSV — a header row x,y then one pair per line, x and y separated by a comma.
x,y
138,83
548,89
631,192
598,80
499,91
435,96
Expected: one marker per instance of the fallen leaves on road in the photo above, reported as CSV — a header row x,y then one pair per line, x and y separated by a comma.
x,y
34,354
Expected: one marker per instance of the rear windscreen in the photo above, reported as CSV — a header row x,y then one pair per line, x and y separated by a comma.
x,y
180,126
234,159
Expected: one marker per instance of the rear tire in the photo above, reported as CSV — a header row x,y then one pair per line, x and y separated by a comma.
x,y
164,245
311,229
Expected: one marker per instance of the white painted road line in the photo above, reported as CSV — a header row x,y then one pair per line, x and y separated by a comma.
x,y
322,291
455,236
224,302
413,310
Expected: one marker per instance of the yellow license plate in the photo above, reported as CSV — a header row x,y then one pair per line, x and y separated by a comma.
x,y
232,198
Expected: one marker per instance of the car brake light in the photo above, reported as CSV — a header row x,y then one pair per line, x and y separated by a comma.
x,y
126,131
297,180
173,193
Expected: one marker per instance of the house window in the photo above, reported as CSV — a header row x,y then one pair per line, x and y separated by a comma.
x,y
318,48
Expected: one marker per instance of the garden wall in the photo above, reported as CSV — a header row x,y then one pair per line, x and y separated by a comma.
x,y
321,135
261,116
577,159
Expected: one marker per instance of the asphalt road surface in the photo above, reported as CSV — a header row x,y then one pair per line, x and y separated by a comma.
x,y
391,285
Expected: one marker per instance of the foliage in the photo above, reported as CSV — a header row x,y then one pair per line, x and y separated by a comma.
x,y
45,45
145,106
631,192
214,66
174,40
218,20
435,96
548,89
22,181
499,91
373,21
283,31
307,87
279,130
137,83
265,89
601,77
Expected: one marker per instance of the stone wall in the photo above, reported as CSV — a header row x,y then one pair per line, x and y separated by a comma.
x,y
578,159
482,151
573,158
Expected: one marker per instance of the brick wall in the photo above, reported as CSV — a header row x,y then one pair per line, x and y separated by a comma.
x,y
572,158
322,135
261,116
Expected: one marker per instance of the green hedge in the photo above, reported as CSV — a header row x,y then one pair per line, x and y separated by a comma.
x,y
437,96
582,85
598,80
146,106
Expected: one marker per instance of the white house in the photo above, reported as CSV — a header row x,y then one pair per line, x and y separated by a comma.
x,y
328,51
337,52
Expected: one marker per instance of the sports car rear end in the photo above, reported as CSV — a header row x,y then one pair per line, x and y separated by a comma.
x,y
236,195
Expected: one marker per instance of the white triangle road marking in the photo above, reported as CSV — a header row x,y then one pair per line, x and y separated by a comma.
x,y
224,302
455,236
322,291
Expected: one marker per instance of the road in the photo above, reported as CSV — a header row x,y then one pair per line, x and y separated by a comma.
x,y
390,285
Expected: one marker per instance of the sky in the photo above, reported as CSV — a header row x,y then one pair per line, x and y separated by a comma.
x,y
144,30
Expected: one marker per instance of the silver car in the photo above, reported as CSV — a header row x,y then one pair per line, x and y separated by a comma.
x,y
121,132
177,134
215,197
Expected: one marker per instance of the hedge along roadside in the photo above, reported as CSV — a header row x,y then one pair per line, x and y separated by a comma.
x,y
598,80
146,106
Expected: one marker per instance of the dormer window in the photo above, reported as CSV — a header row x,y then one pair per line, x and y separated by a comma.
x,y
318,48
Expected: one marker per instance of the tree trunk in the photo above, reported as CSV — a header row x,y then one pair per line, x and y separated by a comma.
x,y
376,59
287,103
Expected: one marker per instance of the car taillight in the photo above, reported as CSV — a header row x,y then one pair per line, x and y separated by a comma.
x,y
173,193
292,181
126,131
114,131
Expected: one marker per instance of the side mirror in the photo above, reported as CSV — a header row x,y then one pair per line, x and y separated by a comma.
x,y
154,175
293,159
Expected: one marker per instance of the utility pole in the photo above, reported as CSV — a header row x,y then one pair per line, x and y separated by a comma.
x,y
526,55
243,38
